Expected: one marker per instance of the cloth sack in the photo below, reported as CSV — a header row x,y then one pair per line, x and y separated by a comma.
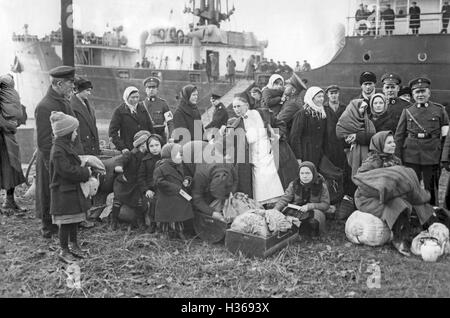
x,y
436,231
251,222
365,228
237,204
90,187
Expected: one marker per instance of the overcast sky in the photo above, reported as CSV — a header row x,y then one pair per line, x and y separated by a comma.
x,y
296,30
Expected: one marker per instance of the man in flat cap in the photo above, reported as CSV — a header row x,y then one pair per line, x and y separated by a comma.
x,y
294,101
57,99
391,86
220,115
419,136
157,108
82,108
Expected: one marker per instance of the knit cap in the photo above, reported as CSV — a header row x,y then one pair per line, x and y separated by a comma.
x,y
63,124
140,137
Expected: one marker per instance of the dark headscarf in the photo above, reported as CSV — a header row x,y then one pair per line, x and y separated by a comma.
x,y
304,190
186,93
378,140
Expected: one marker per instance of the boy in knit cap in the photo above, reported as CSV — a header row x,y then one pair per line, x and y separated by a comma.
x,y
126,187
68,205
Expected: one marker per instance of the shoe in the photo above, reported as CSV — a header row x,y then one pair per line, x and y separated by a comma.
x,y
48,231
87,224
78,252
10,203
65,256
402,247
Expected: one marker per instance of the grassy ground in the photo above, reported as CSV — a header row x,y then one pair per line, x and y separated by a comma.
x,y
137,264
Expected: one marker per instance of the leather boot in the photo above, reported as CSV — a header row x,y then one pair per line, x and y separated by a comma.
x,y
115,217
10,203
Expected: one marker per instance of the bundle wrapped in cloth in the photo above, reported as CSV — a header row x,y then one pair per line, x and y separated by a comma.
x,y
436,231
263,222
95,163
364,228
238,204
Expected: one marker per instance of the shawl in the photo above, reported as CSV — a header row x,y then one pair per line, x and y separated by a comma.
x,y
126,94
315,110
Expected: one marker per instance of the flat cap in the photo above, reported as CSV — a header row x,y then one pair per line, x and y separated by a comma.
x,y
367,77
404,90
62,72
391,78
420,82
332,88
82,84
216,95
152,81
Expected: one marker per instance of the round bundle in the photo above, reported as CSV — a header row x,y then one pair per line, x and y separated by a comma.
x,y
365,228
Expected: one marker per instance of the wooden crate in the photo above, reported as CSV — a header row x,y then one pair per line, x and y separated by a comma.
x,y
256,246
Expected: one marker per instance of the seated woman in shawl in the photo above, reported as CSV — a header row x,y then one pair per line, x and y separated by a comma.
x,y
356,128
396,211
308,138
187,122
272,94
310,193
379,116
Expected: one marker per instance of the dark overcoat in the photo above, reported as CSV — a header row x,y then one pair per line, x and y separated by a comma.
x,y
414,17
146,170
188,117
124,125
66,173
288,166
271,99
383,122
334,146
170,205
220,117
126,186
308,138
52,101
388,16
395,109
288,111
87,131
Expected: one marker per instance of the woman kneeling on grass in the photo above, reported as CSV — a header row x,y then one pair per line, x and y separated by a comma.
x,y
68,206
310,193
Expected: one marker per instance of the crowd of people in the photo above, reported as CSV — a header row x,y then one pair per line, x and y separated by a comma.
x,y
276,148
368,23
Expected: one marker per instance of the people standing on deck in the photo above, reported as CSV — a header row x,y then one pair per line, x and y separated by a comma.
x,y
272,66
414,18
298,67
231,69
250,68
388,16
57,99
214,67
286,69
81,107
158,109
127,119
306,66
391,87
419,136
445,16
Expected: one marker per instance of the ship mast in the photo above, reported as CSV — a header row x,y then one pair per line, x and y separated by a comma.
x,y
68,46
209,12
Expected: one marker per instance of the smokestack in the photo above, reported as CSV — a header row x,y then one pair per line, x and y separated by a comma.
x,y
68,46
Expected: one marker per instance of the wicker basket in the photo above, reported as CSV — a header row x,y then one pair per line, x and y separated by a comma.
x,y
345,208
365,228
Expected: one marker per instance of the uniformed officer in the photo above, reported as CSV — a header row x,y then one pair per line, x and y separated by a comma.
x,y
419,134
391,87
157,108
220,116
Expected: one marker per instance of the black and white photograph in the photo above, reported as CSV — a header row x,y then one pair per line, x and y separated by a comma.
x,y
224,154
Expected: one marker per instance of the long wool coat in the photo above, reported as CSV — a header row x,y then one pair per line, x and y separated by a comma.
x,y
126,185
271,99
66,174
124,125
87,131
52,101
188,117
170,205
146,170
288,166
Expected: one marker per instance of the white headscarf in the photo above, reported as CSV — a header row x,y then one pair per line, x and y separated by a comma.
x,y
309,95
126,94
272,80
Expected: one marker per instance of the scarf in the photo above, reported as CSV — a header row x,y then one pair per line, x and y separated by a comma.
x,y
351,121
372,99
315,110
305,190
126,94
272,80
186,105
377,149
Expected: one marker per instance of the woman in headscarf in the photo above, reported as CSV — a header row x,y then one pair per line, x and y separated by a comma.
x,y
187,121
272,94
308,138
127,119
391,194
357,129
257,149
310,193
381,119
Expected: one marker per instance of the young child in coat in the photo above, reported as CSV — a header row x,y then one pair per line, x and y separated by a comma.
x,y
145,177
310,192
68,204
173,203
126,185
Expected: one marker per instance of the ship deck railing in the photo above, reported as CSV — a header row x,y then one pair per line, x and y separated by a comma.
x,y
430,23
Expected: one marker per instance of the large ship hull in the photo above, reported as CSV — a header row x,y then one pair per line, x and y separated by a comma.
x,y
408,55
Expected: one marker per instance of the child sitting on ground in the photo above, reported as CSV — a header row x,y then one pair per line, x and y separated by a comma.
x,y
173,205
310,193
145,177
68,204
126,186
